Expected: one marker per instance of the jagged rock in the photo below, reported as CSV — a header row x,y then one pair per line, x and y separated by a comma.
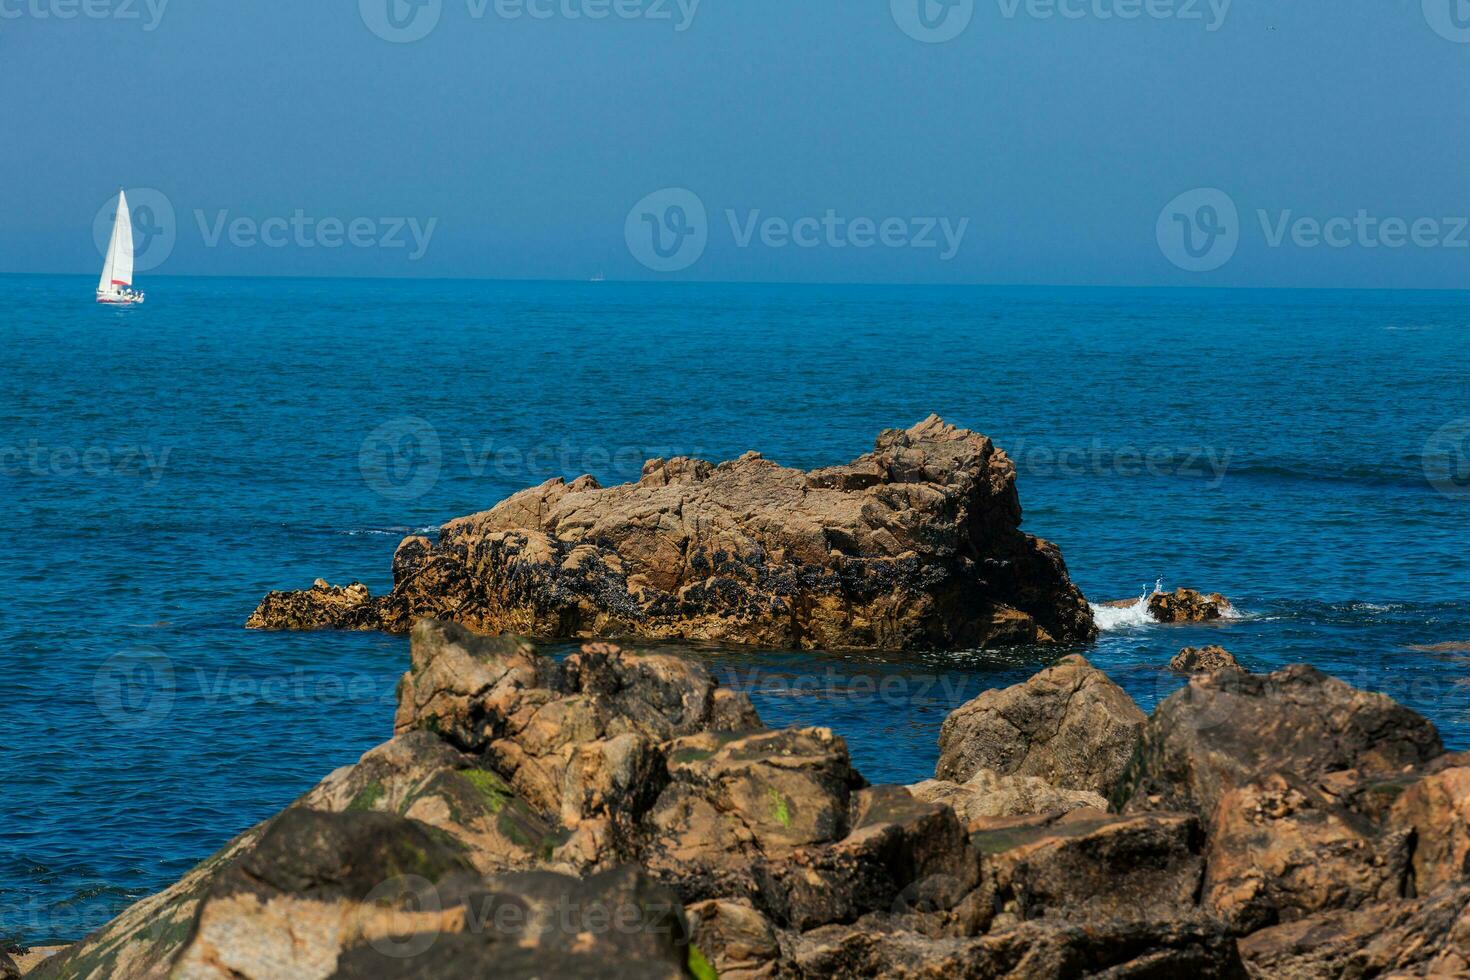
x,y
734,802
1321,803
1423,937
900,853
1188,606
417,775
915,544
1088,865
1230,729
8,968
1281,850
1203,660
735,939
1069,725
538,924
1185,946
988,794
1436,811
310,888
569,738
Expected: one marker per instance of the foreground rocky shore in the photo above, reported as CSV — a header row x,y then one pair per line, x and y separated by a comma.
x,y
916,544
618,814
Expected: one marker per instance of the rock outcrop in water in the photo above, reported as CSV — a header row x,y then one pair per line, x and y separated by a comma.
x,y
619,814
1203,660
1188,606
916,544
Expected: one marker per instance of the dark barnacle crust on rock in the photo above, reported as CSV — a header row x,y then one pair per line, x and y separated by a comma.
x,y
619,814
916,544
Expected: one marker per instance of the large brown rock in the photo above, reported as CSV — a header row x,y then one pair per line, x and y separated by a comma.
x,y
1092,866
580,740
627,783
1188,946
1423,937
1281,849
899,853
1229,729
915,544
988,794
1436,811
1069,725
737,941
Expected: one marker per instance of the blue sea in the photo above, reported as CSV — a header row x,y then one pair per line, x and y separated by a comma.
x,y
162,467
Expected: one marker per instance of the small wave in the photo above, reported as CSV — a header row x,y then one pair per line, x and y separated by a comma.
x,y
398,531
1109,618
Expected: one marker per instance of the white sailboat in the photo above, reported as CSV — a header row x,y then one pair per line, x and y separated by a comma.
x,y
116,285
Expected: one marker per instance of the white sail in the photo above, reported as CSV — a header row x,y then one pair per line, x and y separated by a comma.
x,y
117,268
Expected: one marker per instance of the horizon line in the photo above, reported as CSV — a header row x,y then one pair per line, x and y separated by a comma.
x,y
776,282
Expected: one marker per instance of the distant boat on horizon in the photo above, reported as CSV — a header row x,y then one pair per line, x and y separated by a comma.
x,y
598,278
115,286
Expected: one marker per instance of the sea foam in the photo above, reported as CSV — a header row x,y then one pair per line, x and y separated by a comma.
x,y
1126,617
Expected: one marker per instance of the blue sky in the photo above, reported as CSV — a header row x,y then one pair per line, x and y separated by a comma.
x,y
1047,145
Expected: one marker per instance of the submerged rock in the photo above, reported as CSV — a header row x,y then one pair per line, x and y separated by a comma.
x,y
1070,725
915,544
1203,660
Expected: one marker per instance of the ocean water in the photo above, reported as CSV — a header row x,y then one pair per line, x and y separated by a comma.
x,y
162,467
